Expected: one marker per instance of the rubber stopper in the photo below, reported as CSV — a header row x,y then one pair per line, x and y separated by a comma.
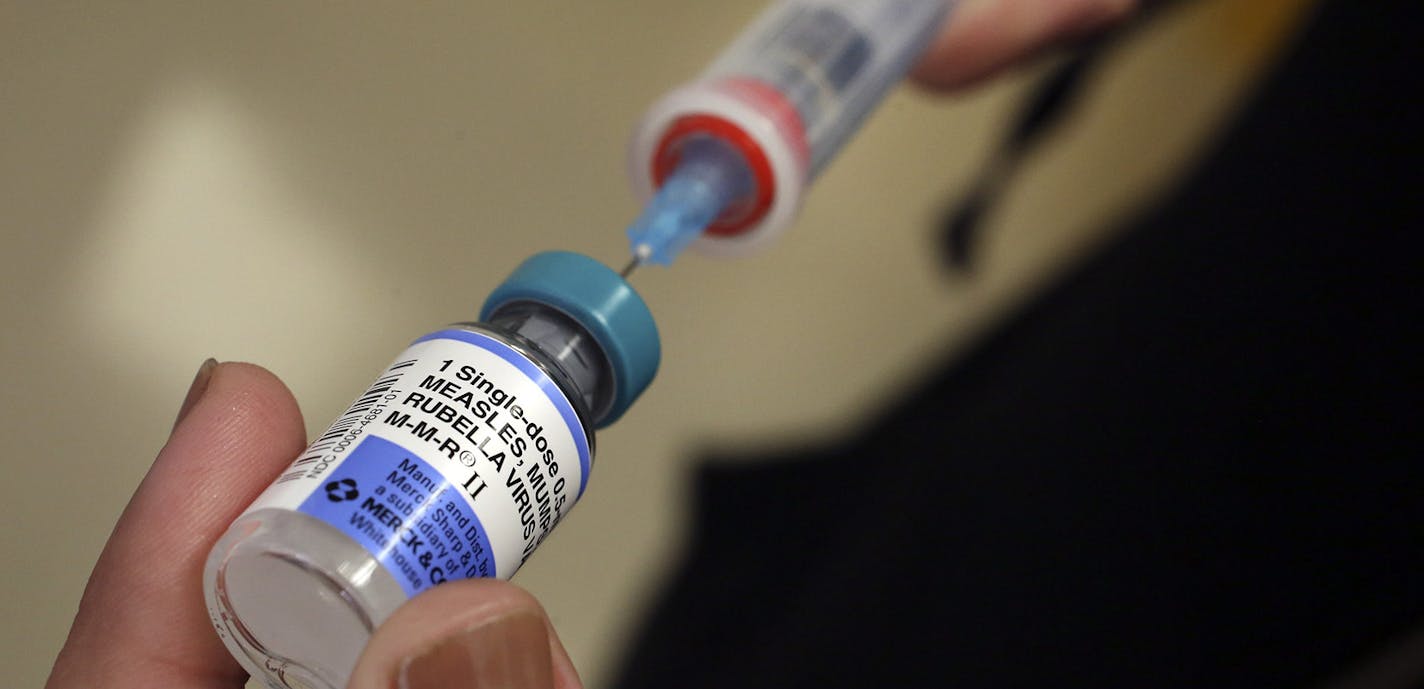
x,y
601,301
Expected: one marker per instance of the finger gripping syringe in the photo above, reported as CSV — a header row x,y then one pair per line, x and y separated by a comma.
x,y
723,163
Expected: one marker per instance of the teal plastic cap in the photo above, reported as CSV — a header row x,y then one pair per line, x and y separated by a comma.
x,y
601,301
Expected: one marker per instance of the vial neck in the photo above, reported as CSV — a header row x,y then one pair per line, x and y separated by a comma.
x,y
564,347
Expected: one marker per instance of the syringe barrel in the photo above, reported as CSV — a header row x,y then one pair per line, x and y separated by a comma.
x,y
786,94
833,60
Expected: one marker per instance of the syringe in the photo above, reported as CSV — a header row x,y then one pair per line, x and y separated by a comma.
x,y
723,163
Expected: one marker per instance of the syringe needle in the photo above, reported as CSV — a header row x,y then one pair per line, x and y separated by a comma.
x,y
641,253
632,266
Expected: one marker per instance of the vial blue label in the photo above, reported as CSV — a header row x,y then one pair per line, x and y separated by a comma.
x,y
458,461
406,514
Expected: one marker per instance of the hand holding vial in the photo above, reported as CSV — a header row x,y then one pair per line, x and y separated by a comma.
x,y
142,621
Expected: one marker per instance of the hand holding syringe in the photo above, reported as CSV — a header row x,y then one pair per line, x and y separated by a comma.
x,y
723,162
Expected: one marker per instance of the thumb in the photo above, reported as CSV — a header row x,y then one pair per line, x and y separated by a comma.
x,y
466,634
142,621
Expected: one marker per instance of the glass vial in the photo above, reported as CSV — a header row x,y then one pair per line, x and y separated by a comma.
x,y
457,462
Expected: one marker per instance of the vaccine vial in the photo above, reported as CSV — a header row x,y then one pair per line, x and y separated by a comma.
x,y
457,462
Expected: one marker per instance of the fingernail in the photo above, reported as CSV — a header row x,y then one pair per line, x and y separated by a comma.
x,y
196,389
510,652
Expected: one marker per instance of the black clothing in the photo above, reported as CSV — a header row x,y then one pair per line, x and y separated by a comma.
x,y
1196,462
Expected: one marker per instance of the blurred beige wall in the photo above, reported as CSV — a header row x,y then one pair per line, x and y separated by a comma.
x,y
309,186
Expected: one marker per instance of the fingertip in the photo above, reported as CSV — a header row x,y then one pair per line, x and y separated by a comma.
x,y
254,392
233,440
1089,16
467,620
566,676
982,38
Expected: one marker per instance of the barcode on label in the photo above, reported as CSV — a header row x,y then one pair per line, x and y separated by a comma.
x,y
348,420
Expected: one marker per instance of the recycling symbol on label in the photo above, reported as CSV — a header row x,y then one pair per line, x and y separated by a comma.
x,y
342,490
